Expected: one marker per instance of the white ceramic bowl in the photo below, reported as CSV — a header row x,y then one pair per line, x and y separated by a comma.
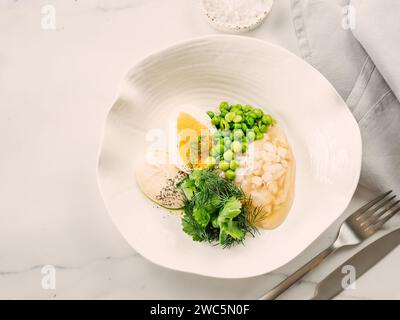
x,y
202,72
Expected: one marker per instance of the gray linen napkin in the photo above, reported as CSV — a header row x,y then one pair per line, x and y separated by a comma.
x,y
356,45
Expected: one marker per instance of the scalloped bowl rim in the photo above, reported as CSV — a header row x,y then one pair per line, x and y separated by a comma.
x,y
357,154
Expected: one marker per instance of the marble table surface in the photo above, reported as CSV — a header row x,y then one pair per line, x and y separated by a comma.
x,y
61,63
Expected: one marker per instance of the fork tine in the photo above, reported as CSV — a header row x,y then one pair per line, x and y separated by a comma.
x,y
385,219
372,212
370,204
377,213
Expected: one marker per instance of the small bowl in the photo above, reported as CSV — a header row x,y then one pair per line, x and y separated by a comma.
x,y
238,27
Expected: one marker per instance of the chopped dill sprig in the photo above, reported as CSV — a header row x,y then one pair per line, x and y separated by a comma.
x,y
216,210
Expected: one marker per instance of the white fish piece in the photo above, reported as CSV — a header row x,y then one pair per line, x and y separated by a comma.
x,y
269,147
246,187
283,152
267,177
260,197
285,163
241,159
257,168
257,181
273,187
275,168
241,172
239,178
268,157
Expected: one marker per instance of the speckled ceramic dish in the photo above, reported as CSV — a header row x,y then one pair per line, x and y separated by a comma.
x,y
202,72
225,24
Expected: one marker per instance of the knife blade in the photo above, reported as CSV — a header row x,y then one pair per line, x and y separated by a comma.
x,y
362,261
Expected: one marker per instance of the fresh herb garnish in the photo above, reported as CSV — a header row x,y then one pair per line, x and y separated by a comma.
x,y
216,210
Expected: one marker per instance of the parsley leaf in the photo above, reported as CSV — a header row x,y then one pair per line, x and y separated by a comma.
x,y
188,187
231,209
202,216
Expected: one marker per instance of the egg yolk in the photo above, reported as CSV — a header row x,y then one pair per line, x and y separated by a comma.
x,y
194,140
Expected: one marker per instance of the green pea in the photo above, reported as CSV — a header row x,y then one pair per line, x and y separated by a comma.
x,y
239,112
236,146
237,119
259,136
210,114
216,120
229,116
256,130
217,135
230,174
259,113
214,153
244,147
237,126
210,162
228,155
250,121
253,114
217,150
238,109
238,134
267,119
223,113
224,124
219,142
263,128
244,127
223,165
226,133
224,106
227,142
251,136
247,108
234,165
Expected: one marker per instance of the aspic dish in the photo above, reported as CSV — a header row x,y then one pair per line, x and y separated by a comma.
x,y
193,77
230,171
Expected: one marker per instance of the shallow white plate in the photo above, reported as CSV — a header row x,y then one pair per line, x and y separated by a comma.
x,y
202,72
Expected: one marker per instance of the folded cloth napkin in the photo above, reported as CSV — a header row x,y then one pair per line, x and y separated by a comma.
x,y
355,44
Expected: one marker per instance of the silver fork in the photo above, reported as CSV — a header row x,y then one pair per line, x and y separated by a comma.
x,y
359,226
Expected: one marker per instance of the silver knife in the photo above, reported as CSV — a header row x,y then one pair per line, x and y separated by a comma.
x,y
362,261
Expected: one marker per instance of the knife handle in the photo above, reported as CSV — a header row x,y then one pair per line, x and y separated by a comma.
x,y
297,275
